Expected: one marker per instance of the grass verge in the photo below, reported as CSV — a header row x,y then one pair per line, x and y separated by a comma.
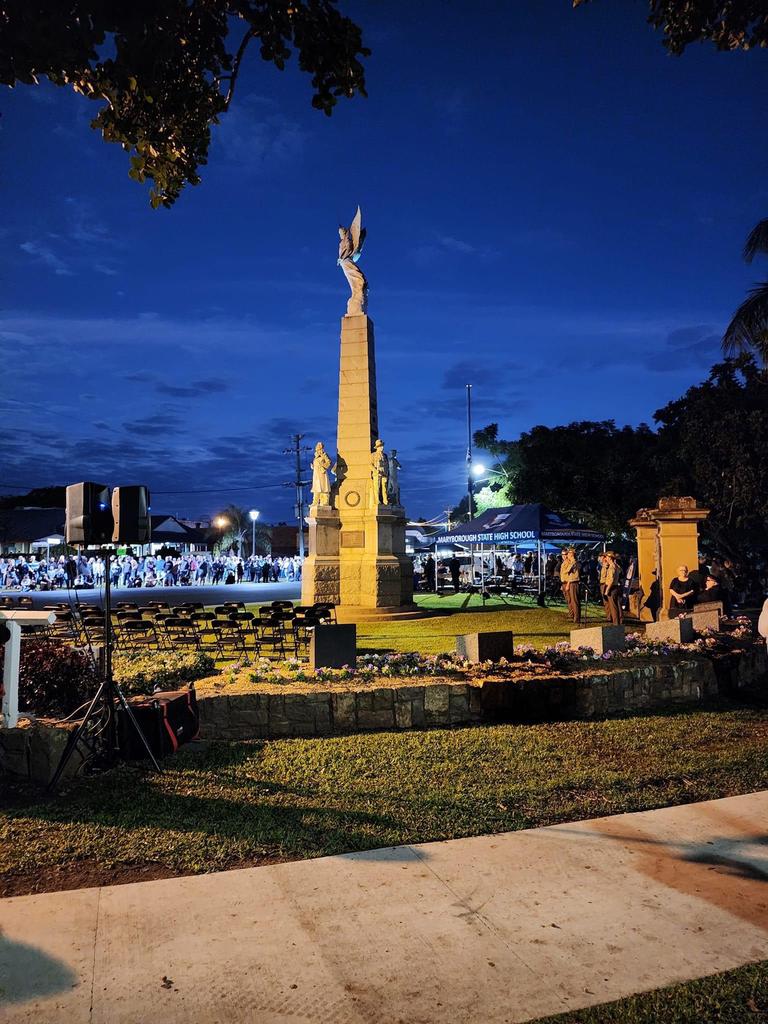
x,y
234,804
733,997
465,613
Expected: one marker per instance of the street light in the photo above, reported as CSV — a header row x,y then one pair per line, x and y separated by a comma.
x,y
220,521
254,516
478,469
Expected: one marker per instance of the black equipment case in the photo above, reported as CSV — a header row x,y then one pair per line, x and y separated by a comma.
x,y
167,719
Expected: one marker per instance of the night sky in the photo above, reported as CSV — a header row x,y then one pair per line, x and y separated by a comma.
x,y
555,212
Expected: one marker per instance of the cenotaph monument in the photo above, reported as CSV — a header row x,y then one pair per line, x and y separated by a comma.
x,y
357,558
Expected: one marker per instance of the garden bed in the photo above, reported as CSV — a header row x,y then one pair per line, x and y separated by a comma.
x,y
269,701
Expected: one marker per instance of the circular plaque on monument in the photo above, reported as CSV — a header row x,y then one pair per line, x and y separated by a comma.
x,y
352,498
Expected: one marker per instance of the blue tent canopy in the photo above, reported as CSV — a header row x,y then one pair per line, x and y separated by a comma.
x,y
519,524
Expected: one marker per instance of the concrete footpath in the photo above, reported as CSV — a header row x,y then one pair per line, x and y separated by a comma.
x,y
494,929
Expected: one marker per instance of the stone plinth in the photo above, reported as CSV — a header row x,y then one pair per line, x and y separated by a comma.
x,y
320,572
599,638
678,631
333,647
478,647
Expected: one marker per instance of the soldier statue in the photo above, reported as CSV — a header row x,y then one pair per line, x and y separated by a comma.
x,y
379,474
321,485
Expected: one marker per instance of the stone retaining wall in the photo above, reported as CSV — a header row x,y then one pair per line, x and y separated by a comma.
x,y
261,715
652,684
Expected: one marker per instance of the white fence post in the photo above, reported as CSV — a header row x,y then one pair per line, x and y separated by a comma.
x,y
11,676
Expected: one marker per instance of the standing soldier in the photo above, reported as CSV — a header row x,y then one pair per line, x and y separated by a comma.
x,y
610,587
569,582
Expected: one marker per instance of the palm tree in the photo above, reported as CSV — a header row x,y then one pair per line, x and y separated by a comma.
x,y
749,327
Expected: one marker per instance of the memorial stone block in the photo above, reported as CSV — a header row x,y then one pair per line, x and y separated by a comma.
x,y
599,638
706,618
333,647
486,646
678,631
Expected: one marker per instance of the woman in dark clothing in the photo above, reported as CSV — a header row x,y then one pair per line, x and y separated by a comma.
x,y
682,593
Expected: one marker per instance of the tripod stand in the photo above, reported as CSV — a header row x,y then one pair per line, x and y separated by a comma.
x,y
98,730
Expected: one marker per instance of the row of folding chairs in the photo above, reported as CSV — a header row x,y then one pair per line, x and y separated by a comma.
x,y
226,632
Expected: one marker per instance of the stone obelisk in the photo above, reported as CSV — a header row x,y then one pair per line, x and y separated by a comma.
x,y
357,558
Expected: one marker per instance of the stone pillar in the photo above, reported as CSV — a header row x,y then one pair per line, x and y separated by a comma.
x,y
357,556
678,524
647,542
667,537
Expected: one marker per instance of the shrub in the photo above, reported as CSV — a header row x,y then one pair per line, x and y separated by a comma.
x,y
54,679
160,670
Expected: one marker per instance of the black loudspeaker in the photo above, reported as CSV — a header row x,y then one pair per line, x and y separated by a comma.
x,y
88,516
130,511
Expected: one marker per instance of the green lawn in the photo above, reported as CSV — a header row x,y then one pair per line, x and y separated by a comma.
x,y
246,802
464,613
733,997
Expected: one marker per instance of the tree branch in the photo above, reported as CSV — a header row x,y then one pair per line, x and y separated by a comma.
x,y
236,66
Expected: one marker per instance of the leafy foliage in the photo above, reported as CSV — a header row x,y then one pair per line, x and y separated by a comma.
x,y
237,532
165,70
165,670
54,678
593,472
748,329
729,24
714,444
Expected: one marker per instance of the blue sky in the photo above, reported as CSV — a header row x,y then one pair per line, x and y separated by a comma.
x,y
555,208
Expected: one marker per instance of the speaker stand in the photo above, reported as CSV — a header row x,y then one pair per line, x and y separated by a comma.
x,y
97,732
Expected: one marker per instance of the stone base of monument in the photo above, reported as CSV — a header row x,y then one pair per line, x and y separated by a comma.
x,y
333,647
599,638
677,631
352,613
478,647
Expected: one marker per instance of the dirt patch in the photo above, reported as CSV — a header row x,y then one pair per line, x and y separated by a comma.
x,y
85,875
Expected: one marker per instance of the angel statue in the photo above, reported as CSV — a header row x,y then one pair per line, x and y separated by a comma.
x,y
350,246
321,485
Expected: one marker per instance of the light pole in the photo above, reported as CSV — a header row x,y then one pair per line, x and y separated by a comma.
x,y
254,516
469,450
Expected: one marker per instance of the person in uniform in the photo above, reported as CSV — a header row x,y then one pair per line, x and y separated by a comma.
x,y
569,583
610,588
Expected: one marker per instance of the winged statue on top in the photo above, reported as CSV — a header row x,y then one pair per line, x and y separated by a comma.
x,y
350,247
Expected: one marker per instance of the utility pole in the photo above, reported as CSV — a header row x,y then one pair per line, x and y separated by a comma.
x,y
469,450
296,449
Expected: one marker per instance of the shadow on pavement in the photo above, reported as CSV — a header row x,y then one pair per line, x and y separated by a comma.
x,y
28,973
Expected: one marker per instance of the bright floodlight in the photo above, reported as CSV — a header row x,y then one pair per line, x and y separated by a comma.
x,y
253,514
478,469
220,521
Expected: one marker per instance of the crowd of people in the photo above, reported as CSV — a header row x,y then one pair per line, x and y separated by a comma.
x,y
602,576
22,572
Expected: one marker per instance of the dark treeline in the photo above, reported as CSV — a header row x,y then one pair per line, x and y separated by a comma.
x,y
712,443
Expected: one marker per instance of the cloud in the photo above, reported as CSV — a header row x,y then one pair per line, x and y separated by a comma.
x,y
493,376
696,347
443,246
254,133
45,254
211,386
